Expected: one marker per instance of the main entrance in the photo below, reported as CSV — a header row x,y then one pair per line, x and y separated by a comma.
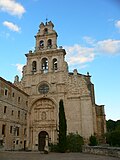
x,y
41,140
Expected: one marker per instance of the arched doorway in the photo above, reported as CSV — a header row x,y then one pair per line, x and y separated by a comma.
x,y
41,140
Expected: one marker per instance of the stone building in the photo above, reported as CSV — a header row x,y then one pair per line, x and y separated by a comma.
x,y
13,116
46,80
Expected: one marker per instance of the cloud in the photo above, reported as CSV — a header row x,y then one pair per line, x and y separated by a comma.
x,y
117,24
12,7
19,68
108,46
78,55
89,40
11,26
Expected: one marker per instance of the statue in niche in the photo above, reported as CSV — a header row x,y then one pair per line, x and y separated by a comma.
x,y
43,115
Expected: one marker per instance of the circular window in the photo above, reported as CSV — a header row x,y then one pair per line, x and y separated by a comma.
x,y
43,88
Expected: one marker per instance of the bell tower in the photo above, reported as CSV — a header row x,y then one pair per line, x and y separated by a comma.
x,y
47,60
46,37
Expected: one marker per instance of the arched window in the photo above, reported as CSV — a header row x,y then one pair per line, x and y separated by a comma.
x,y
49,43
46,31
55,67
45,65
41,44
34,66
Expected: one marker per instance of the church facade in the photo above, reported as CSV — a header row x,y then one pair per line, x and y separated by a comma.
x,y
45,81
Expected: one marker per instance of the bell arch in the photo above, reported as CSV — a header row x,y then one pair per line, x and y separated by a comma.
x,y
44,63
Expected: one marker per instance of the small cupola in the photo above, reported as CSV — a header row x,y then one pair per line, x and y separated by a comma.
x,y
46,37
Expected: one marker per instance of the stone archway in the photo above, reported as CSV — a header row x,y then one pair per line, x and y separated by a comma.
x,y
41,140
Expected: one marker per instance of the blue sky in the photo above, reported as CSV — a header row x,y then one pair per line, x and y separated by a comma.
x,y
89,30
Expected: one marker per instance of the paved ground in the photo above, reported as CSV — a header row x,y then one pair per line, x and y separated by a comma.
x,y
51,156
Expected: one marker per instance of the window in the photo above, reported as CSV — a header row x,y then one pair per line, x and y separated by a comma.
x,y
1,143
11,128
6,92
18,114
55,67
18,99
13,94
45,65
46,31
3,129
25,116
5,109
43,88
49,43
41,44
17,130
34,66
17,142
12,112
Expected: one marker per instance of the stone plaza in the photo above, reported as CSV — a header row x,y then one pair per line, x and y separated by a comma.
x,y
51,156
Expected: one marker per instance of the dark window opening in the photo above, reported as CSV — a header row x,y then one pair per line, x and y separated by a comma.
x,y
5,109
46,31
6,92
13,94
18,114
3,129
12,112
18,99
17,130
45,65
49,43
1,142
25,116
41,44
55,67
34,66
11,128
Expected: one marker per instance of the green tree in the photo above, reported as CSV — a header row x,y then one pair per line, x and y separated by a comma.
x,y
113,138
62,128
74,142
113,132
110,125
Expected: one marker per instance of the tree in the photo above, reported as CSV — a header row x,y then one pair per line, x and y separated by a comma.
x,y
113,133
110,125
113,138
62,128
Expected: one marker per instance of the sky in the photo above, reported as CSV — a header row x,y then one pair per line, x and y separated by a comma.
x,y
89,30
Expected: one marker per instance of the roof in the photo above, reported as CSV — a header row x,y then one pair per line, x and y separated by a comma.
x,y
13,86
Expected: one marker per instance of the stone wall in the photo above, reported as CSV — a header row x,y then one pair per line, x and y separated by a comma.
x,y
108,151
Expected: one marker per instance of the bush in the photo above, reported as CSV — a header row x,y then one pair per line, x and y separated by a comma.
x,y
74,142
93,141
54,147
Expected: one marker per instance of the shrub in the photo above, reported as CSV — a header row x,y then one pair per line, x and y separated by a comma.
x,y
93,141
74,142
